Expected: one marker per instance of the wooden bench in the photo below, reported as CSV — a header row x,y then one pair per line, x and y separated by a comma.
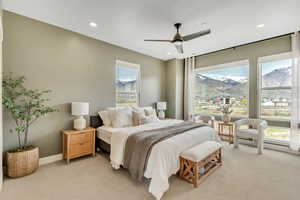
x,y
200,161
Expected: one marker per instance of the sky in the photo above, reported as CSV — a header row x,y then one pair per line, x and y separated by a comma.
x,y
126,73
234,71
242,71
270,66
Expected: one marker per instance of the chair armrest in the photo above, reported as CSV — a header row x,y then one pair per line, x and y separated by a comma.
x,y
241,122
263,125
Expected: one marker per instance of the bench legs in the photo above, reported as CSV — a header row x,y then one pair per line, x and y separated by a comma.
x,y
191,171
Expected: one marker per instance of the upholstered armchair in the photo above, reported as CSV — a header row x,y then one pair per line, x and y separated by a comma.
x,y
208,119
254,131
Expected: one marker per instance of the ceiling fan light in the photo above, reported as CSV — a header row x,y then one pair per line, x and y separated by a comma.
x,y
178,43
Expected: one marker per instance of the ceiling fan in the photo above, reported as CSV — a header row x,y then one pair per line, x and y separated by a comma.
x,y
178,39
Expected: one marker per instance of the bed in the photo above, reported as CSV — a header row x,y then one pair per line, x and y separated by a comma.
x,y
96,122
163,160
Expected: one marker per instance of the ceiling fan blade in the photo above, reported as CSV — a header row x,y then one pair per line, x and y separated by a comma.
x,y
158,40
179,48
195,35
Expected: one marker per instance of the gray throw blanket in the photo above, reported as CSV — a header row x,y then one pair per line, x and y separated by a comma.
x,y
139,145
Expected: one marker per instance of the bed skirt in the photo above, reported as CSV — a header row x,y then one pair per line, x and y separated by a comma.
x,y
102,145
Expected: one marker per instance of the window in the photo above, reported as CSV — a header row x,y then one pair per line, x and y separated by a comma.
x,y
227,81
275,94
127,84
277,133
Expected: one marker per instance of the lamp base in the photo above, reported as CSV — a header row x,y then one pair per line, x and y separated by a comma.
x,y
161,114
80,123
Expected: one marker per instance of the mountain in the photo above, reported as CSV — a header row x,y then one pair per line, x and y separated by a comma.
x,y
278,77
126,86
207,86
210,87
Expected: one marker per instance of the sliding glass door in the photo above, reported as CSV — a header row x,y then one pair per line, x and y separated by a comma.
x,y
275,95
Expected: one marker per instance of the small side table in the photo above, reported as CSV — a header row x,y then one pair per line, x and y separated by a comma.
x,y
227,134
78,143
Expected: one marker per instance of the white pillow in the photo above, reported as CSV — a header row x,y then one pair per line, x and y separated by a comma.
x,y
121,117
149,119
105,117
135,108
149,111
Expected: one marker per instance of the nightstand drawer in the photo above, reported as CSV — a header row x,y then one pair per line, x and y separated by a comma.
x,y
80,149
81,138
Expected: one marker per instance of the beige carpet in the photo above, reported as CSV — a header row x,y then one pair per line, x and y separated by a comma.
x,y
244,176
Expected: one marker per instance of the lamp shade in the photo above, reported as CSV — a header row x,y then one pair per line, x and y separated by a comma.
x,y
161,105
80,108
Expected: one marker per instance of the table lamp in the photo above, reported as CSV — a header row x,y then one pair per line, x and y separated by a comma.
x,y
161,107
79,109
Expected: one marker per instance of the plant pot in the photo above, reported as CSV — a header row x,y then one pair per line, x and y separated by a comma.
x,y
22,163
226,119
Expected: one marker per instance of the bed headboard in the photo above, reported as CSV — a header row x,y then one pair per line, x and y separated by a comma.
x,y
95,121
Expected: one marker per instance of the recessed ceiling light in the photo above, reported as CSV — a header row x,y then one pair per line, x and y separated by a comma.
x,y
93,24
169,53
260,25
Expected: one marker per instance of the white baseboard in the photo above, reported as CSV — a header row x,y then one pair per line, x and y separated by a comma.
x,y
50,159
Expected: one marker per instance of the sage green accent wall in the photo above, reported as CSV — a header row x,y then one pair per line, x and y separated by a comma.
x,y
174,85
249,52
75,68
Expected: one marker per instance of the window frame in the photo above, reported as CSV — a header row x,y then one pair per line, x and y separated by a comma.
x,y
260,62
277,142
138,86
223,66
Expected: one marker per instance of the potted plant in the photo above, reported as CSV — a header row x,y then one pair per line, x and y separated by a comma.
x,y
226,110
25,107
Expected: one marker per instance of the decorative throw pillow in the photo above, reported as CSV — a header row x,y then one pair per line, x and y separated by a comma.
x,y
149,119
121,117
137,117
105,117
149,111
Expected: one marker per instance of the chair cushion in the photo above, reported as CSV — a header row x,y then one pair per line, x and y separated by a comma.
x,y
248,133
201,151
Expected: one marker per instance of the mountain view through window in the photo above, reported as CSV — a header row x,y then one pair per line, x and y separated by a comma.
x,y
212,86
127,85
276,89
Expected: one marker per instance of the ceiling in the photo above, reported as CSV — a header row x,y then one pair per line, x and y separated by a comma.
x,y
127,23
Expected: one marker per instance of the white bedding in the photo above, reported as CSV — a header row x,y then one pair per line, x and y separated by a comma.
x,y
104,133
164,158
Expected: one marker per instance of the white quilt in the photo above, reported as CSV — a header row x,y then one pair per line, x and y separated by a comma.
x,y
164,158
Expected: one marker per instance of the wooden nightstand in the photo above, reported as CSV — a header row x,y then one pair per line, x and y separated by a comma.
x,y
78,143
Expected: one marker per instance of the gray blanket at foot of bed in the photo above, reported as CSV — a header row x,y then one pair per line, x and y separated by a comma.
x,y
138,146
